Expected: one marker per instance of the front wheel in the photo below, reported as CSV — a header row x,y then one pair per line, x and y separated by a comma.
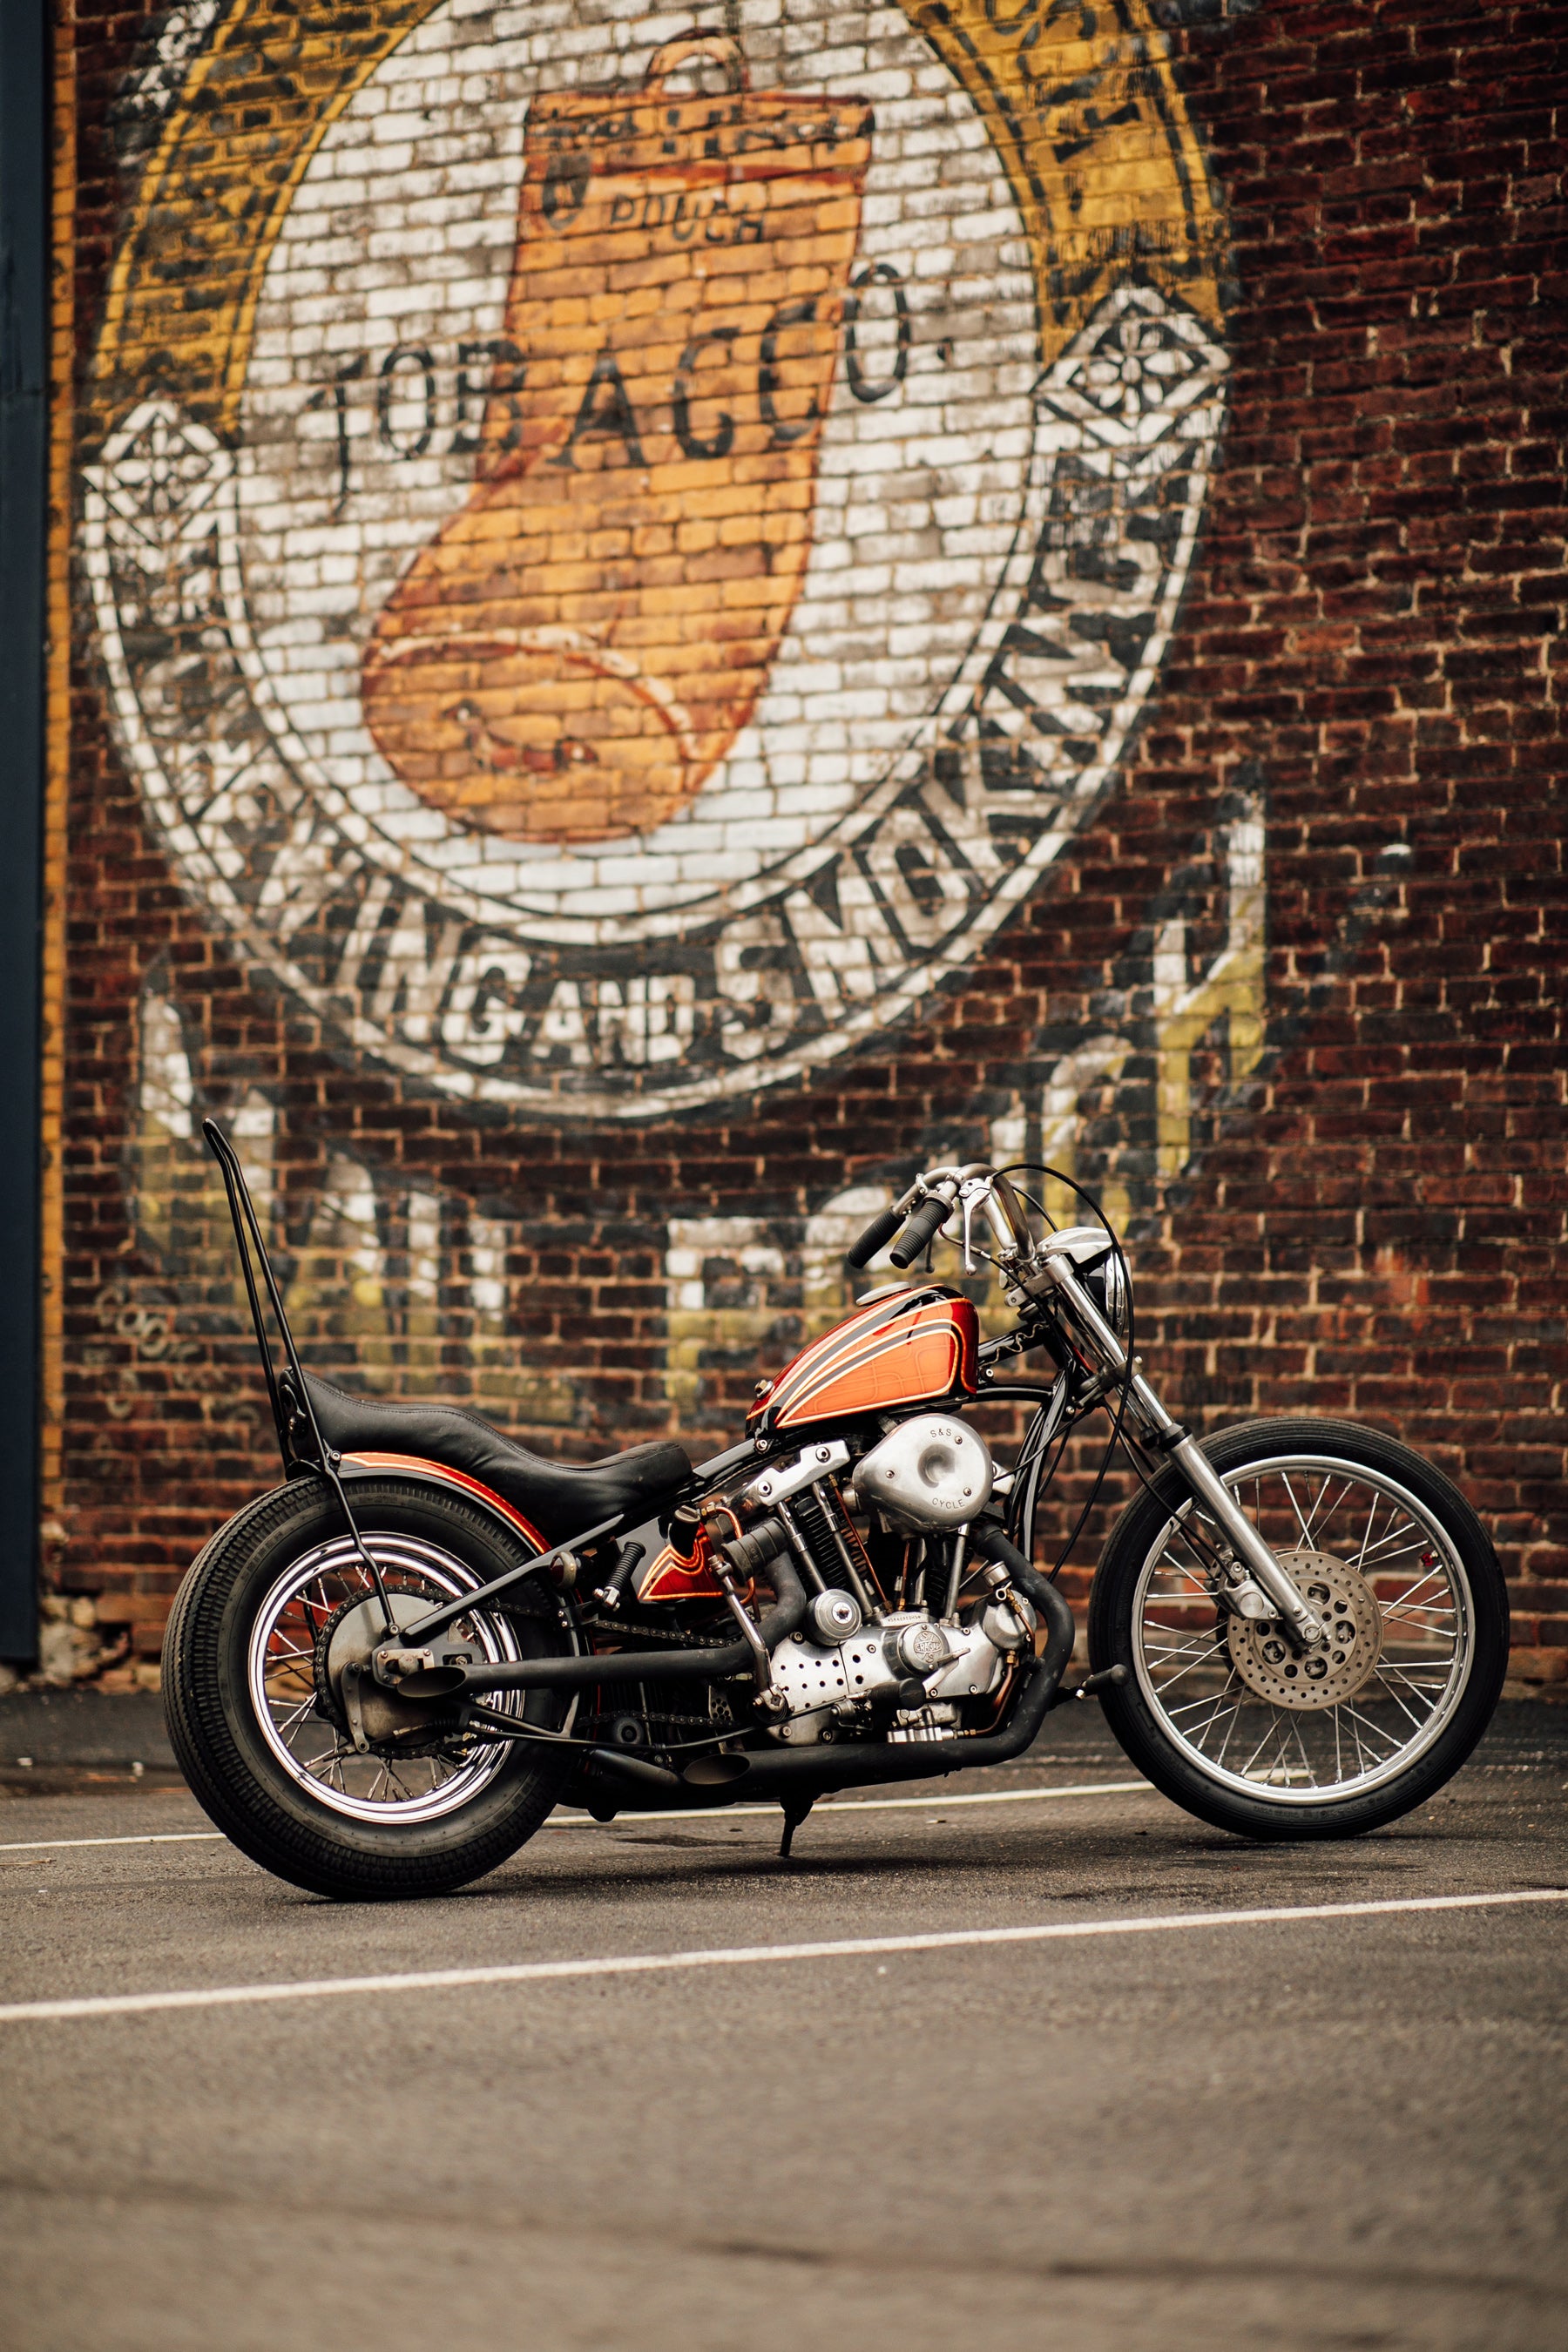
x,y
372,1794
1227,1716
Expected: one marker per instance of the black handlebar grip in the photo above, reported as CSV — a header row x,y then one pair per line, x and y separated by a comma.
x,y
921,1232
880,1229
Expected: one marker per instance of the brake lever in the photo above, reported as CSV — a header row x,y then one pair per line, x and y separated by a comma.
x,y
971,1196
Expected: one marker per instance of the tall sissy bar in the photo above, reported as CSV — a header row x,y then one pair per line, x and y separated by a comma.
x,y
294,1415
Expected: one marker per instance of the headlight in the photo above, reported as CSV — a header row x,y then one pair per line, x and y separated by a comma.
x,y
1099,1268
1106,1286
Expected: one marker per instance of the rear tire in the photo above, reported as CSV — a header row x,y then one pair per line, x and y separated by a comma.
x,y
232,1644
1395,1549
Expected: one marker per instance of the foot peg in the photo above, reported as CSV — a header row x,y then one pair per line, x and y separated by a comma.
x,y
1109,1679
628,1560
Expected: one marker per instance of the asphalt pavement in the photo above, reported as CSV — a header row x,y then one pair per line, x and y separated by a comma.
x,y
1099,2110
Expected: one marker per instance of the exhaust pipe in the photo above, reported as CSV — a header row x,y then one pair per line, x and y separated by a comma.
x,y
794,1774
798,1776
795,1777
766,1547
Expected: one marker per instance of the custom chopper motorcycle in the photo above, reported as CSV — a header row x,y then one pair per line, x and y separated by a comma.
x,y
383,1675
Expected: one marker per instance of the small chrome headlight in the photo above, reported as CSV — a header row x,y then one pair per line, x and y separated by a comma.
x,y
1099,1268
1106,1286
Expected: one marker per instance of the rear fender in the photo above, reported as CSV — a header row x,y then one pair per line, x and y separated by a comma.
x,y
454,1482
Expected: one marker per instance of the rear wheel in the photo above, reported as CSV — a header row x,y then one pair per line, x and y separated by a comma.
x,y
376,1794
1228,1717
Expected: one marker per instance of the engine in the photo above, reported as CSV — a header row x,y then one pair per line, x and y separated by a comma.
x,y
925,1667
888,1649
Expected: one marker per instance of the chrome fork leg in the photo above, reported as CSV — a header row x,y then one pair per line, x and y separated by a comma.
x,y
1199,1471
1223,1508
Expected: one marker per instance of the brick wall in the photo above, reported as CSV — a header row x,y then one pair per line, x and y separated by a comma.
x,y
1041,635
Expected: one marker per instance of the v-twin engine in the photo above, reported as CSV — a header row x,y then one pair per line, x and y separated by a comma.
x,y
840,1686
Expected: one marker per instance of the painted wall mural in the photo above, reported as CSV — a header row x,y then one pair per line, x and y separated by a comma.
x,y
659,529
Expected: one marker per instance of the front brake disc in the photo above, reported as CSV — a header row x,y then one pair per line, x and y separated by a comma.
x,y
1273,1669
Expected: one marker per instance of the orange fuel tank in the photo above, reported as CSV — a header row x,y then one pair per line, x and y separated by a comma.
x,y
911,1347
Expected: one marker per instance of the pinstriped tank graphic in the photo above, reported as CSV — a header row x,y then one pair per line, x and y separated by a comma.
x,y
910,1349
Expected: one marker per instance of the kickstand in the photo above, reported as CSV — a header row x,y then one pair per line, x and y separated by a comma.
x,y
793,1815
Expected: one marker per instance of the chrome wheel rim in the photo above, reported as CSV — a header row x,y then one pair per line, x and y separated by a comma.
x,y
1245,1742
281,1674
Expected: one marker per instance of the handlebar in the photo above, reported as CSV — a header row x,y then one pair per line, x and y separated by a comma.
x,y
928,1204
1052,1273
921,1231
879,1232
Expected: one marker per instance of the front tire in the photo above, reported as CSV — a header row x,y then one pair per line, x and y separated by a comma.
x,y
257,1722
1226,1718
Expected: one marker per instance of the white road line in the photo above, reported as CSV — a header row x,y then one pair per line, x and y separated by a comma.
x,y
164,1837
754,1955
685,1813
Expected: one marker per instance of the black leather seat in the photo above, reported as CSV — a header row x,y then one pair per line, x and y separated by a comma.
x,y
560,1499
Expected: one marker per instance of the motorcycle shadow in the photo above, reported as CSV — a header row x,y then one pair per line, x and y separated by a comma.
x,y
679,1858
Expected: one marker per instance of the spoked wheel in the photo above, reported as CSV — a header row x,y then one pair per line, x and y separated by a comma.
x,y
1228,1716
321,1617
318,1772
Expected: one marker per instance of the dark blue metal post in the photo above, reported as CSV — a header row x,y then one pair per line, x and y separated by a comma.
x,y
24,529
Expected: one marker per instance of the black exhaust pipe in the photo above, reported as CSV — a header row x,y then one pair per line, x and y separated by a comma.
x,y
792,1777
766,1547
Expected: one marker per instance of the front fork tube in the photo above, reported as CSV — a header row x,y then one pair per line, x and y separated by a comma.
x,y
1199,1471
1216,1497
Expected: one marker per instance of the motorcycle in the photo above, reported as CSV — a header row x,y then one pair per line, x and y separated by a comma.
x,y
383,1674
